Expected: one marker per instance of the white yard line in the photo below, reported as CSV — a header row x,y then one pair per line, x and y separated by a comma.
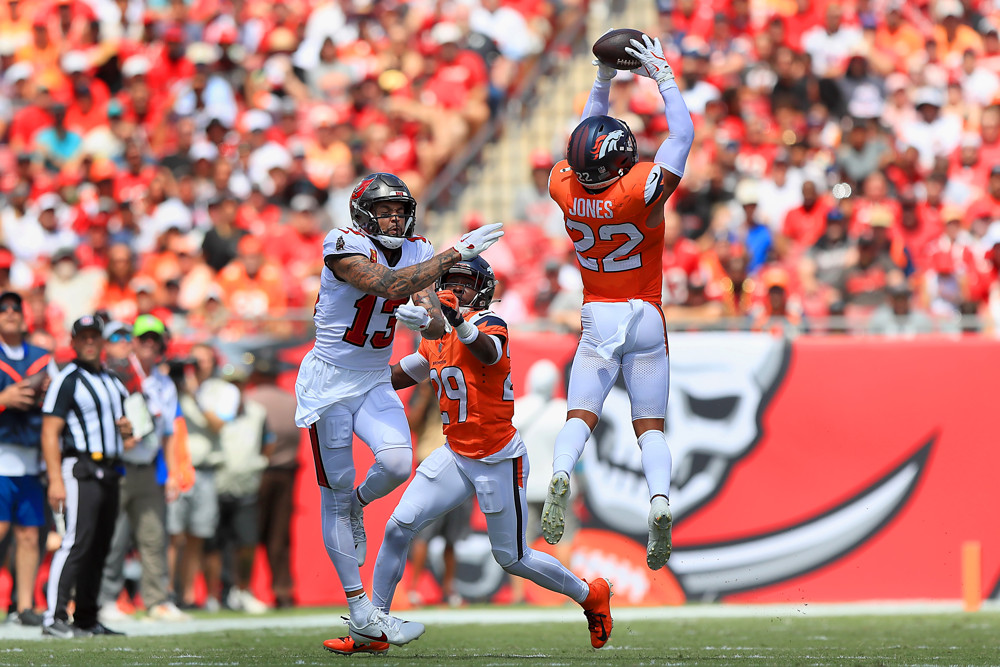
x,y
496,615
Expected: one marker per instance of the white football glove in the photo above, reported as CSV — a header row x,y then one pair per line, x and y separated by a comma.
x,y
604,73
415,318
478,240
650,54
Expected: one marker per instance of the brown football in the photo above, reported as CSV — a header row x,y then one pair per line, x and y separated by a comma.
x,y
610,48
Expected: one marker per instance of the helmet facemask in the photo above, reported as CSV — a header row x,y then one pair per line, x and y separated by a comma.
x,y
484,284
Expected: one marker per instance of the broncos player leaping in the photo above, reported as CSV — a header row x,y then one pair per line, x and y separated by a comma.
x,y
613,208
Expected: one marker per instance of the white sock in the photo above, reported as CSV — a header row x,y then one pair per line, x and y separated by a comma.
x,y
569,445
360,609
656,462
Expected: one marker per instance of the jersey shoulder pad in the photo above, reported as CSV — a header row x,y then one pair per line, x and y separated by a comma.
x,y
488,319
346,241
560,177
423,247
647,179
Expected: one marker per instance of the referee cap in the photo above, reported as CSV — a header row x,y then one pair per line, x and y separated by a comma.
x,y
87,323
145,324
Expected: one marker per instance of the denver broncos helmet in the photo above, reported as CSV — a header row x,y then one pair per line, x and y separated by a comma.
x,y
382,187
600,151
485,282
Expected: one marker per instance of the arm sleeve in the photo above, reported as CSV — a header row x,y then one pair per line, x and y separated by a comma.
x,y
673,152
597,103
416,366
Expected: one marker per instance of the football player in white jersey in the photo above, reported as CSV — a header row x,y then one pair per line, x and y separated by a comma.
x,y
484,455
344,384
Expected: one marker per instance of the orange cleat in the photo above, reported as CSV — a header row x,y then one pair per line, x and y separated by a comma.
x,y
347,646
597,609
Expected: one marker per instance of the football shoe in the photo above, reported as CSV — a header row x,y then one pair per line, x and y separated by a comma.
x,y
383,628
597,609
347,646
660,524
554,510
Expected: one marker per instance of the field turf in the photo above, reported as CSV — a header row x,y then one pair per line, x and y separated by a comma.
x,y
639,638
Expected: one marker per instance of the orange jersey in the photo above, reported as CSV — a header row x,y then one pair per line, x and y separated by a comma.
x,y
620,257
477,401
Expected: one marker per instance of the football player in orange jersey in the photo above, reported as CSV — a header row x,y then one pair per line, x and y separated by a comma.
x,y
484,454
613,206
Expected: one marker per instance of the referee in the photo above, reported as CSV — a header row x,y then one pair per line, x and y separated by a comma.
x,y
83,426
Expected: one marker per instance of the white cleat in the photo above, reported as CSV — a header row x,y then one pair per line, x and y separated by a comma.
x,y
358,528
660,524
382,627
554,510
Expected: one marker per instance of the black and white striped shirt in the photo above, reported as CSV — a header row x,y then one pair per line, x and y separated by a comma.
x,y
90,403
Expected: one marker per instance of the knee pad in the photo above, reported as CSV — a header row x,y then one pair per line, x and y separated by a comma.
x,y
397,462
398,533
506,557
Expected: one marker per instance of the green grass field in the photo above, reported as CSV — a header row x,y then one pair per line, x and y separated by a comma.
x,y
935,639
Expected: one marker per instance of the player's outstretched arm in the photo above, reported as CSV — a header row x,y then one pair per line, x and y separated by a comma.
x,y
674,150
429,301
373,278
600,94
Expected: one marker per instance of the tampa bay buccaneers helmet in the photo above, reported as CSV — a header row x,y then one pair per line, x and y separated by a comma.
x,y
382,187
485,282
601,150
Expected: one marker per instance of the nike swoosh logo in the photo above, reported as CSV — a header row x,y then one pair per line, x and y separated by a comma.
x,y
381,638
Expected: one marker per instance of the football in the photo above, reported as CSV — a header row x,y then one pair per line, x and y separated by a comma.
x,y
610,48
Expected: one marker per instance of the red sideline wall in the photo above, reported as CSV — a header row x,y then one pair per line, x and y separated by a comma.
x,y
845,414
839,419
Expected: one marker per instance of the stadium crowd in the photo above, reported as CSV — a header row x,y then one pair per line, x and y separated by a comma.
x,y
846,171
185,159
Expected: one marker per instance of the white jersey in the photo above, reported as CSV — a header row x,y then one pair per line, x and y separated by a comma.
x,y
354,330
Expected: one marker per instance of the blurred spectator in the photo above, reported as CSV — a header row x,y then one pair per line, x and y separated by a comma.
x,y
145,491
932,133
118,297
207,403
253,288
533,205
72,289
219,246
776,316
867,277
756,236
681,261
244,439
862,153
277,484
805,224
24,378
896,317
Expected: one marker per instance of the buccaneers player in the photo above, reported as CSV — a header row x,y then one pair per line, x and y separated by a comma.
x,y
343,387
613,207
484,454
